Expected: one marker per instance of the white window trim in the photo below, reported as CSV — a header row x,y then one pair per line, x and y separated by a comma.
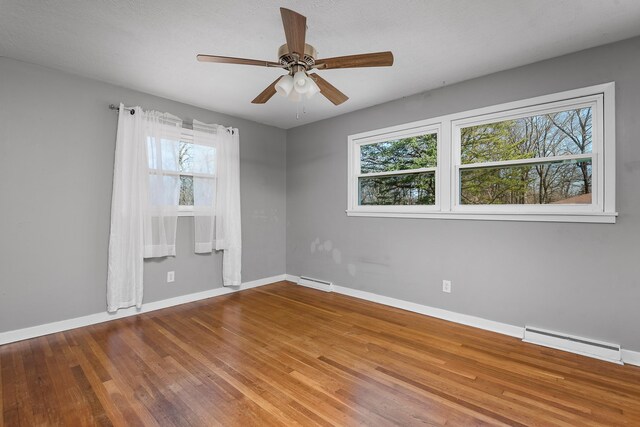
x,y
602,210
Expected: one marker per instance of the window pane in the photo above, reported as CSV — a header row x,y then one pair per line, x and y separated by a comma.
x,y
163,155
186,190
554,134
566,182
399,154
407,189
195,158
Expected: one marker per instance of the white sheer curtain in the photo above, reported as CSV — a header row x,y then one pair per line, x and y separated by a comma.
x,y
162,134
204,188
216,201
144,202
126,244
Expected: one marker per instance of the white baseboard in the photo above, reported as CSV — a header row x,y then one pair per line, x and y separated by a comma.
x,y
631,357
291,278
92,319
464,319
628,356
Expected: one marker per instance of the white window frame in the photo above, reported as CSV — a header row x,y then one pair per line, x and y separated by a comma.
x,y
601,210
390,134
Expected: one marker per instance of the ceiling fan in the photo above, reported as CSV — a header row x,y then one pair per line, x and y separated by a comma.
x,y
298,58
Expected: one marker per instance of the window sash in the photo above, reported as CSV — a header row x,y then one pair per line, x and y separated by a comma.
x,y
532,207
404,133
530,161
178,173
593,101
398,172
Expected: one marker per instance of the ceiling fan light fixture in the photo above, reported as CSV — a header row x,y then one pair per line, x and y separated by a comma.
x,y
285,85
298,58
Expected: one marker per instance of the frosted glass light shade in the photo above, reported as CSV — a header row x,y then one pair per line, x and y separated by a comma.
x,y
301,82
284,85
313,88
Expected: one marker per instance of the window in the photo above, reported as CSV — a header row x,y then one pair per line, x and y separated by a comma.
x,y
192,161
550,158
398,169
534,156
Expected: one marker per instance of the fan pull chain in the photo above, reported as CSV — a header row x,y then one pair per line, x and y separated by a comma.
x,y
304,109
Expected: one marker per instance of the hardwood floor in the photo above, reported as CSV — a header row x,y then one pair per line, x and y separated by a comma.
x,y
286,355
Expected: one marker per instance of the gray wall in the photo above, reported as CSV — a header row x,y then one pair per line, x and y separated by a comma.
x,y
57,141
577,278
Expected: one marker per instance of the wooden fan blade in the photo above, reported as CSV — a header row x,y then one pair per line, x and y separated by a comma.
x,y
295,28
328,90
267,93
241,61
378,59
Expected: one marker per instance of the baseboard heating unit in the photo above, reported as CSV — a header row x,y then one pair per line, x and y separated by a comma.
x,y
584,346
320,285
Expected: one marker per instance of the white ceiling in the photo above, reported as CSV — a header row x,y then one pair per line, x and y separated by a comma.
x,y
150,45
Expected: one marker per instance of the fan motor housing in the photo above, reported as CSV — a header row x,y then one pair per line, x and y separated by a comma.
x,y
289,60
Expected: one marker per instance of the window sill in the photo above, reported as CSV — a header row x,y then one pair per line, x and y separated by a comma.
x,y
591,217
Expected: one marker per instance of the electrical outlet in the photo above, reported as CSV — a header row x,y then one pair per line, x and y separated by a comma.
x,y
171,276
446,286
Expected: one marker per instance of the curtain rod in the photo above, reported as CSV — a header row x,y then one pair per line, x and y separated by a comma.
x,y
116,108
132,111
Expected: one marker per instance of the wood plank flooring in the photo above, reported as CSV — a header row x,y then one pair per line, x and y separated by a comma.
x,y
286,355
